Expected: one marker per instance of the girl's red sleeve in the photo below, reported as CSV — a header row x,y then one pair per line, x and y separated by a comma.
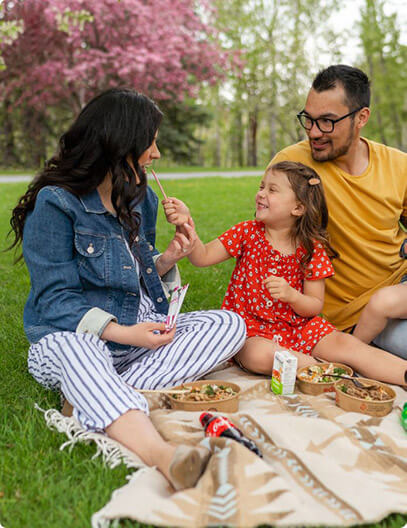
x,y
320,266
233,239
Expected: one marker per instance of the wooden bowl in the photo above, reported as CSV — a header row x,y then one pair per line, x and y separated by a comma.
x,y
229,405
309,387
371,407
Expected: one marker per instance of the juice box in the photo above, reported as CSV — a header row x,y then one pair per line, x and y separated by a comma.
x,y
284,372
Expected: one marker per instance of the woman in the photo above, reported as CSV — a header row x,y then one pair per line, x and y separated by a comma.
x,y
95,313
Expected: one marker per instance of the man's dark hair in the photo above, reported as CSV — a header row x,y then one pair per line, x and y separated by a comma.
x,y
355,83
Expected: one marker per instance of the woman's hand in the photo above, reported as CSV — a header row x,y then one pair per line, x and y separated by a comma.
x,y
279,289
180,246
176,212
147,335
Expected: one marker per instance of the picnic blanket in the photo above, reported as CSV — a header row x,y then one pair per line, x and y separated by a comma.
x,y
321,465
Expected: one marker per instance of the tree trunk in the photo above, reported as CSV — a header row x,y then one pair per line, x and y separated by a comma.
x,y
218,140
273,134
237,138
36,150
377,100
252,138
9,157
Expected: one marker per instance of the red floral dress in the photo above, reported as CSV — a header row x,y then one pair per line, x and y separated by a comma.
x,y
265,316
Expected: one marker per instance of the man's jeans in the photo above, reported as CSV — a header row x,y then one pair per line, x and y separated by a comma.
x,y
394,338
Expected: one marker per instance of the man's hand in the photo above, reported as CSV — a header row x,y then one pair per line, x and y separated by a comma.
x,y
176,212
279,289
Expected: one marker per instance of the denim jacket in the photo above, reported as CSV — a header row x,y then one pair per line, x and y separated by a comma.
x,y
82,272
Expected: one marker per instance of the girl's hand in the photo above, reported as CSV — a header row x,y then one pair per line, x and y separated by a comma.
x,y
279,289
176,212
147,335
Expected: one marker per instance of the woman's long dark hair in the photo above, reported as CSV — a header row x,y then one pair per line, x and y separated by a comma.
x,y
312,225
116,124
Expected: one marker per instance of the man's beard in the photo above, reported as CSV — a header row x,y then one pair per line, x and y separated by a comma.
x,y
334,154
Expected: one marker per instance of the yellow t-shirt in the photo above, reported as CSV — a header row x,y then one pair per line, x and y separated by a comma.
x,y
363,225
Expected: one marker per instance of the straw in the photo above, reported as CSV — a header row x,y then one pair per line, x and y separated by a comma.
x,y
159,184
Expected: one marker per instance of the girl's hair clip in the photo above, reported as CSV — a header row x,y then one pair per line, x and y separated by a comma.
x,y
314,181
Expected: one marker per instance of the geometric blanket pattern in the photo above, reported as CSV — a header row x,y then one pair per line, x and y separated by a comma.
x,y
321,465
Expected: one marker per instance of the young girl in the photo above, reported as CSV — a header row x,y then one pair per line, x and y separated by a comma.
x,y
277,285
96,310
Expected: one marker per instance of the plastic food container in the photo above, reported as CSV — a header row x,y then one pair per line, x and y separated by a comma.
x,y
229,405
371,407
314,388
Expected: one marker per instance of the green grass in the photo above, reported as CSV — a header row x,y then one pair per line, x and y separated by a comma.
x,y
40,486
16,172
158,165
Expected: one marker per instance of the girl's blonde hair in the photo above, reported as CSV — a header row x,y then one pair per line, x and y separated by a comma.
x,y
312,225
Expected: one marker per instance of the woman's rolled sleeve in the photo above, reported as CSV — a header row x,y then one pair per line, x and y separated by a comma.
x,y
94,322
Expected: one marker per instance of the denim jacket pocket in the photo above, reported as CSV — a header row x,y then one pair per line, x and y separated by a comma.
x,y
92,256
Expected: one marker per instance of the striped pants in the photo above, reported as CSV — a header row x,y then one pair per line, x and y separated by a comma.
x,y
99,383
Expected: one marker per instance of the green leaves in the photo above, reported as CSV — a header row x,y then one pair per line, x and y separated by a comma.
x,y
68,20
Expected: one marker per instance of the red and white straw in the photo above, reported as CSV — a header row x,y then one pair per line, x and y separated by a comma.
x,y
159,184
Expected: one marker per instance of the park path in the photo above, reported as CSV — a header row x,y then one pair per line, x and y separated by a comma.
x,y
4,178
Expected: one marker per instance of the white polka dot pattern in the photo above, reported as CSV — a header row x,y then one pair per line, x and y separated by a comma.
x,y
265,316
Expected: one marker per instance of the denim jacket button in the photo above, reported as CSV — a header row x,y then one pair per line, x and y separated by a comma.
x,y
159,299
90,249
150,247
137,238
149,270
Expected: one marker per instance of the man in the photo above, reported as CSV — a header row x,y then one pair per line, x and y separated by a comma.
x,y
366,189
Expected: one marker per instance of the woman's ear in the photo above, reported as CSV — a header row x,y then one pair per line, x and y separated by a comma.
x,y
298,210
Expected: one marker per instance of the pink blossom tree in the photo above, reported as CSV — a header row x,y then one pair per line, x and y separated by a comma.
x,y
69,50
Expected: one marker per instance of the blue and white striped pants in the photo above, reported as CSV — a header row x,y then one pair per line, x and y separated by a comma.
x,y
99,383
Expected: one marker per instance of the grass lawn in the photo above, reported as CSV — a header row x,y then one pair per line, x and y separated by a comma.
x,y
40,486
160,166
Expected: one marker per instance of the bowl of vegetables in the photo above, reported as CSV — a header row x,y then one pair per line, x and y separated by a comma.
x,y
368,397
206,395
316,379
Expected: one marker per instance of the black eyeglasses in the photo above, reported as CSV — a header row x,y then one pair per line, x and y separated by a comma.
x,y
323,123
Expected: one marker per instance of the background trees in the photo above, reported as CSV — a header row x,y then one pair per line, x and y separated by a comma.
x,y
275,38
230,75
70,50
384,59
